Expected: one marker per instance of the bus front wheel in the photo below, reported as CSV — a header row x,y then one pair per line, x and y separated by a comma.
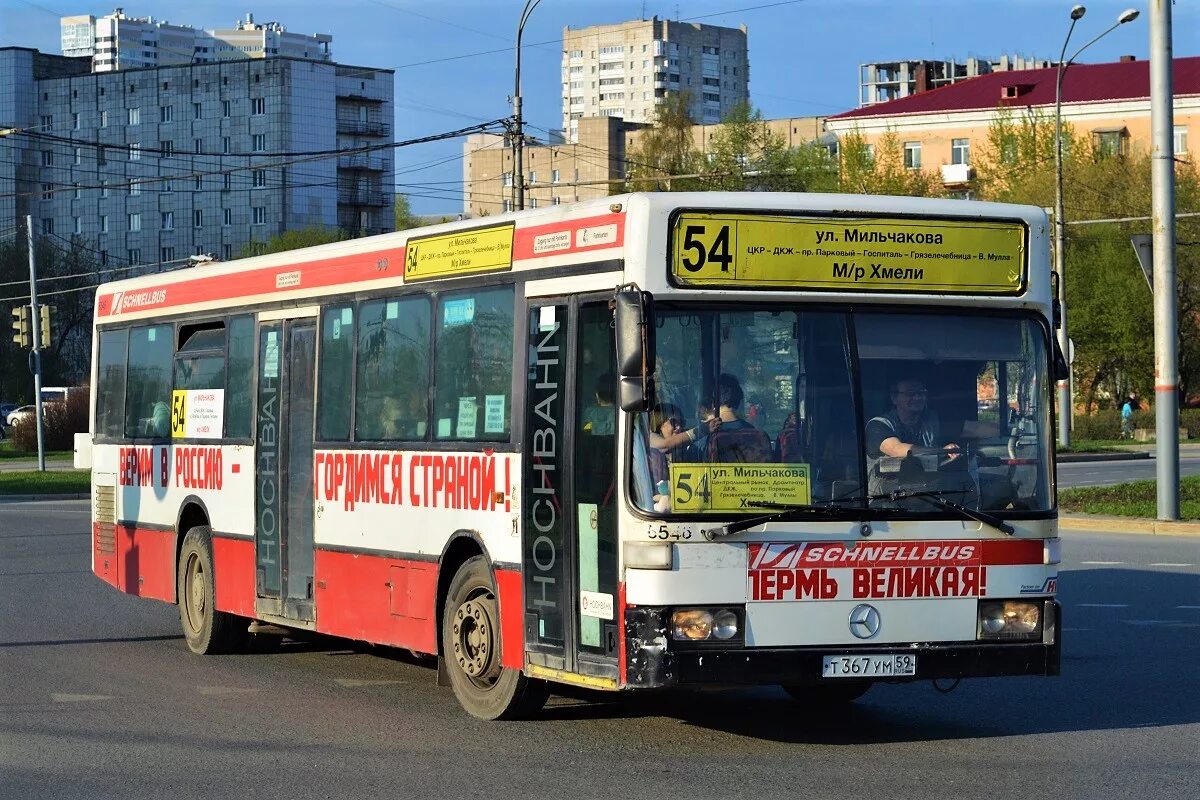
x,y
207,630
471,649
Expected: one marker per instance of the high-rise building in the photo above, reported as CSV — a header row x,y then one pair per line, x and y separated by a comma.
x,y
155,164
627,70
118,41
884,81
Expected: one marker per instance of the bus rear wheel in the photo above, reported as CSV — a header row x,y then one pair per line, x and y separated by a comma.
x,y
827,695
207,630
471,649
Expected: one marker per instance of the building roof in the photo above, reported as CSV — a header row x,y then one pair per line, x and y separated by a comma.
x,y
1083,83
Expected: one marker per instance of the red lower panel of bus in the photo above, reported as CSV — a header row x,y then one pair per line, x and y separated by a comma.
x,y
233,565
391,601
142,562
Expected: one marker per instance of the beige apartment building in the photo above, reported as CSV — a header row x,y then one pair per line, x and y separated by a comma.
x,y
946,129
627,70
595,166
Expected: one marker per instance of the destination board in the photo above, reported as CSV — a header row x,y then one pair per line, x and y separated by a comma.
x,y
737,487
460,253
733,250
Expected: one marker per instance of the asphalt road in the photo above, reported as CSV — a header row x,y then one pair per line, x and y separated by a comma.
x,y
1106,473
100,698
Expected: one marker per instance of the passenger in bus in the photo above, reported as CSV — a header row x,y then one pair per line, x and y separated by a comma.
x,y
909,429
158,424
735,439
600,418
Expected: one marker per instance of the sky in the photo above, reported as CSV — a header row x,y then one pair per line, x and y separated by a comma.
x,y
454,58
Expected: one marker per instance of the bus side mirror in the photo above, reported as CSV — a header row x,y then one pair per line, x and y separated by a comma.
x,y
1062,370
633,324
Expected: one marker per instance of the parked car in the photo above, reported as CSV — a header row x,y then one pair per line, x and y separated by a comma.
x,y
20,413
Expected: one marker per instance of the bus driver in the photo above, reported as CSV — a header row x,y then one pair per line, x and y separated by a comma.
x,y
909,429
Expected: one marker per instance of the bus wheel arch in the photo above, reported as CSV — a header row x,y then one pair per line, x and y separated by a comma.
x,y
192,514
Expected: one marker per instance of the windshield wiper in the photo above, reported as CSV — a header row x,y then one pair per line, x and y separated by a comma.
x,y
937,498
786,511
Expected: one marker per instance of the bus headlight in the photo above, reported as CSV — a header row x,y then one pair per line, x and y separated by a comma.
x,y
691,624
1009,619
725,624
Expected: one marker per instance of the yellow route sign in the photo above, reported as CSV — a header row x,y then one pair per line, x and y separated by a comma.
x,y
735,250
460,253
736,487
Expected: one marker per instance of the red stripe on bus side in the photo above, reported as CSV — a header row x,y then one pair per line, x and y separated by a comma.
x,y
510,590
524,238
145,562
233,569
312,274
376,599
1011,552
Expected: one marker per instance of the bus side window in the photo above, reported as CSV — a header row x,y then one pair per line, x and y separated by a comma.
x,y
239,372
474,352
148,384
336,373
392,387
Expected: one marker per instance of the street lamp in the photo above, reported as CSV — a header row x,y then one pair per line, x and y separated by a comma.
x,y
518,122
1065,405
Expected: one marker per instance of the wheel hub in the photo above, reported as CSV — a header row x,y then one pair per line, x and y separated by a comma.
x,y
473,638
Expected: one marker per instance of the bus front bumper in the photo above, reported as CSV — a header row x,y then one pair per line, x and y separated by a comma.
x,y
678,664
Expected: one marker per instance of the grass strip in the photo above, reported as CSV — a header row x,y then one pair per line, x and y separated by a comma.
x,y
1134,499
59,481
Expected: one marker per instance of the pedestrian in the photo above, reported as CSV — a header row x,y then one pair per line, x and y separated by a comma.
x,y
1127,410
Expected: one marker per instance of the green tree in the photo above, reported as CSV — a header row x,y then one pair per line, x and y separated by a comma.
x,y
294,240
404,215
665,150
879,169
745,154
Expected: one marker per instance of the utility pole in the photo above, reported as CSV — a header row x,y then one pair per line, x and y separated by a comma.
x,y
36,353
1166,325
518,120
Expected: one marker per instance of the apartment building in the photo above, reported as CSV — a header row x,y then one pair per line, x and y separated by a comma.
x,y
117,41
155,164
627,70
595,166
946,128
885,81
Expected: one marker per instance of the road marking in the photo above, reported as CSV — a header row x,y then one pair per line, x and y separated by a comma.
x,y
1165,623
223,691
1189,608
1072,630
60,697
1103,605
352,683
1102,563
1168,564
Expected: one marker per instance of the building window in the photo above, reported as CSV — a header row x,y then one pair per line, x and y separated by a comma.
x,y
104,188
133,116
135,222
506,179
135,151
912,155
47,122
227,219
554,175
104,258
47,191
48,226
555,201
1180,140
77,226
133,256
167,147
168,220
196,110
74,122
260,215
104,223
226,252
224,144
198,146
258,142
1110,142
47,158
166,186
78,192
103,119
533,176
960,151
198,182
507,206
135,188
197,218
166,254
226,181
258,105
165,114
224,108
260,178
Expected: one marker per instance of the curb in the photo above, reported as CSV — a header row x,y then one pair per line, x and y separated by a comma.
x,y
1094,523
26,498
1068,458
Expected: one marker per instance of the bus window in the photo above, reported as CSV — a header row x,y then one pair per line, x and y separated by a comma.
x,y
336,373
200,360
240,378
392,388
110,383
473,387
148,388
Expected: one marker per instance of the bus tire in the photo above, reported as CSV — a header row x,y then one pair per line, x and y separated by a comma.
x,y
471,647
827,695
207,630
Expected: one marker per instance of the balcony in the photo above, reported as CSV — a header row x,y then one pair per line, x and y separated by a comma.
x,y
957,174
363,162
362,197
358,127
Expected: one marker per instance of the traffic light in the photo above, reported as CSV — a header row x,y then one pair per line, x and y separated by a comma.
x,y
44,313
20,325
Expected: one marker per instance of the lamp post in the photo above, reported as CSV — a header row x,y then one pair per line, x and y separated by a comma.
x,y
1065,404
518,121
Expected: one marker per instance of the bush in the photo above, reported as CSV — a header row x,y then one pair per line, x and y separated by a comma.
x,y
61,421
1107,424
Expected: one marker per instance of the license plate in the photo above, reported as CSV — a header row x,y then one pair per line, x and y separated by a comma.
x,y
868,666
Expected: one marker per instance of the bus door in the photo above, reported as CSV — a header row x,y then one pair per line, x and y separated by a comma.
x,y
570,506
283,529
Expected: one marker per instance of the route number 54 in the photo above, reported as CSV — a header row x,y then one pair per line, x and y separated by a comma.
x,y
697,251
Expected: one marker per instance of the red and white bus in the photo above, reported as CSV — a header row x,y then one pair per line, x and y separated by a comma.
x,y
653,440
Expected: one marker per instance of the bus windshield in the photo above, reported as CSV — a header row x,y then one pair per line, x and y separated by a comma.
x,y
762,407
